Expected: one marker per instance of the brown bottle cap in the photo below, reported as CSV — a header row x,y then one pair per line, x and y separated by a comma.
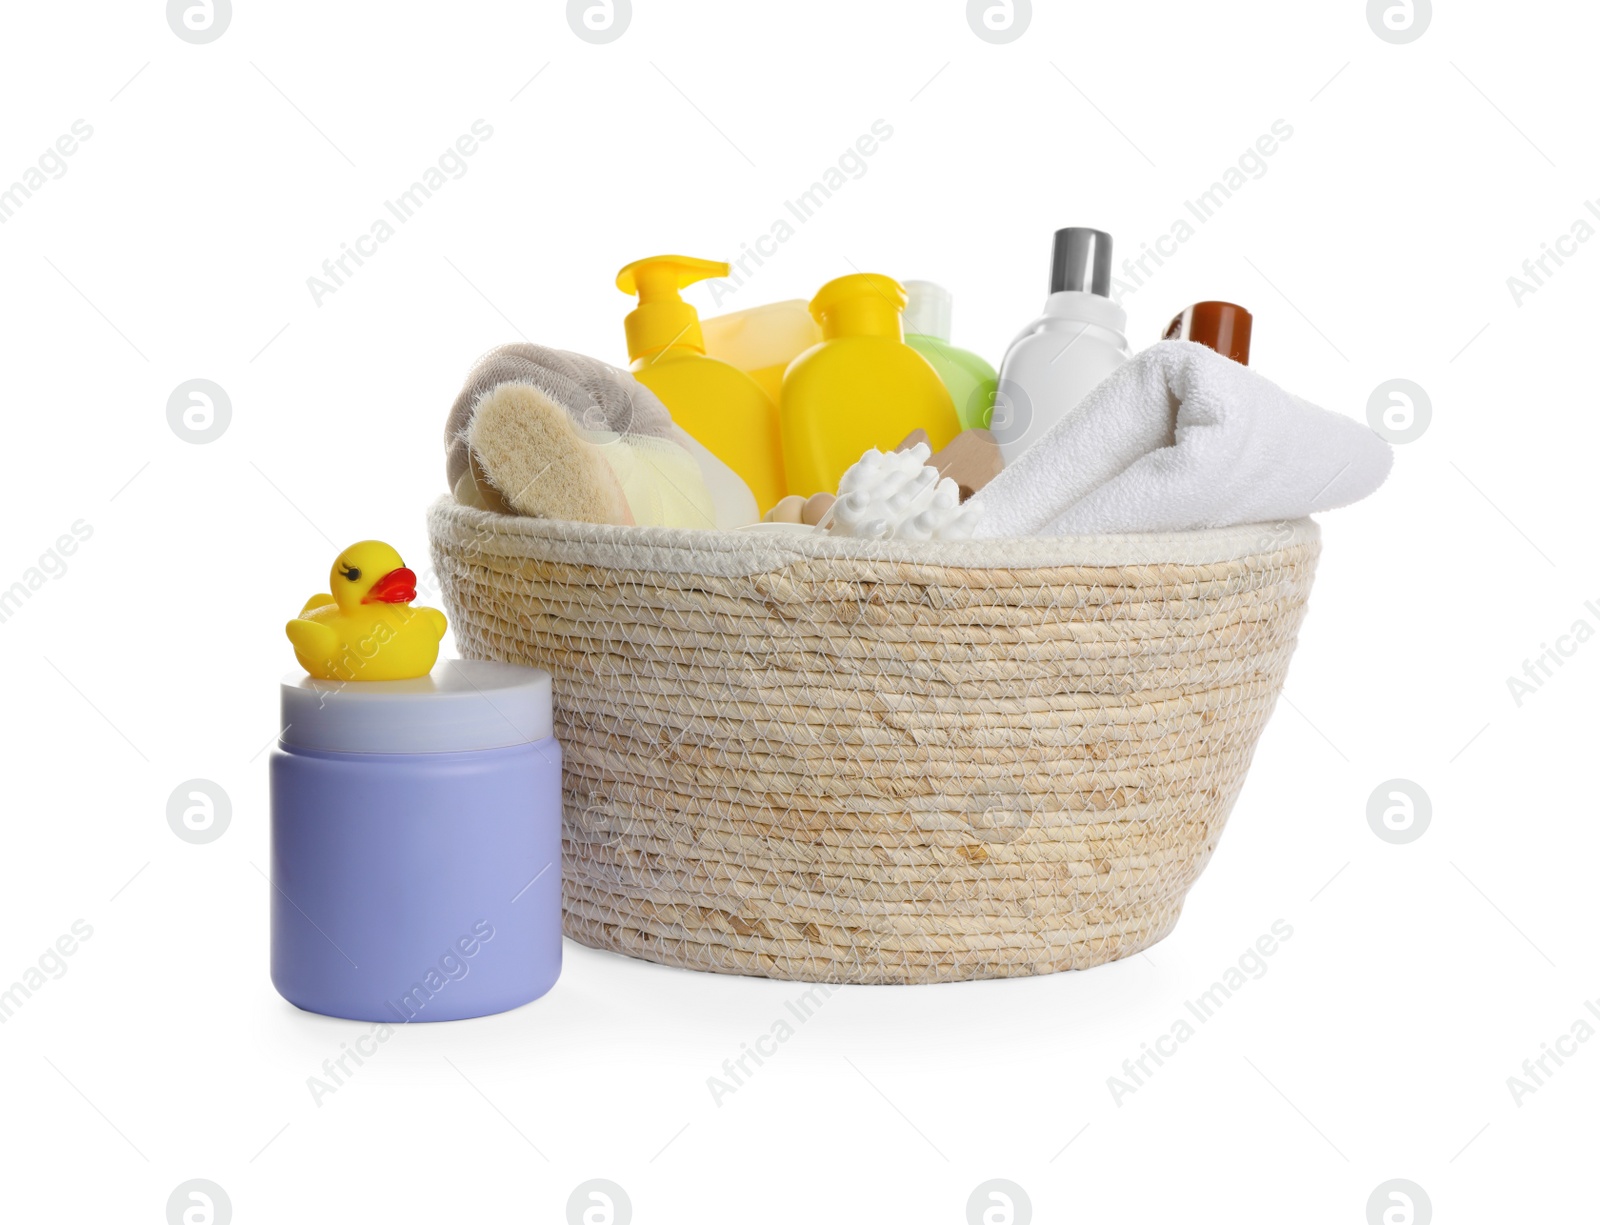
x,y
1217,325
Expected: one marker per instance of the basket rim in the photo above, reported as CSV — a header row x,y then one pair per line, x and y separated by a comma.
x,y
706,550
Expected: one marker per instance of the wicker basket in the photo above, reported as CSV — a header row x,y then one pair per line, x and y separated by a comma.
x,y
867,762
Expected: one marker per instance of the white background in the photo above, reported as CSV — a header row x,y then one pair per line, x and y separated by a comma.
x,y
177,245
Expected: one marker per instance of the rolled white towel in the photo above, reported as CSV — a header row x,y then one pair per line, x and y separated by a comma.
x,y
1181,438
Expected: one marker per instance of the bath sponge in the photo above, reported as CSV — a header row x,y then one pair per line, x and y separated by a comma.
x,y
557,435
596,397
900,496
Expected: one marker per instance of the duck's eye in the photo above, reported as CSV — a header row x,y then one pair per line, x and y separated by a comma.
x,y
350,573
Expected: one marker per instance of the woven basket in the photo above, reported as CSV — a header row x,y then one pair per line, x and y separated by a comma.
x,y
866,762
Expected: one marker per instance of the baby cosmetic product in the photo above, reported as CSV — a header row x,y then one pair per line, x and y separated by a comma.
x,y
416,838
1062,354
720,405
970,379
1217,325
763,340
861,388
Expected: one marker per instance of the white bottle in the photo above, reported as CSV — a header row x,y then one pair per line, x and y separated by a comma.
x,y
1061,355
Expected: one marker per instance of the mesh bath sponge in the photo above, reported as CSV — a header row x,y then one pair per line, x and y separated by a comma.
x,y
557,435
596,396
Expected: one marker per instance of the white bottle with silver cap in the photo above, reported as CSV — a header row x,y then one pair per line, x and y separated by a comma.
x,y
1059,357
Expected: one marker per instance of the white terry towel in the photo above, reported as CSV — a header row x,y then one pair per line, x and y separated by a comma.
x,y
1182,438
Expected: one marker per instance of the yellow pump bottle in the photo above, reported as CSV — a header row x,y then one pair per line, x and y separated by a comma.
x,y
861,387
722,407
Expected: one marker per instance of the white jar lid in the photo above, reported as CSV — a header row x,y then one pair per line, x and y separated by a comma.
x,y
461,706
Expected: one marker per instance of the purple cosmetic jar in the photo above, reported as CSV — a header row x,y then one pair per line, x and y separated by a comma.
x,y
416,844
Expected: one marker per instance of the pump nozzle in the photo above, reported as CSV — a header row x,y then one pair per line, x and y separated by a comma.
x,y
663,319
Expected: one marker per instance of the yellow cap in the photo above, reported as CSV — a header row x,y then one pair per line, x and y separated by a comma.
x,y
861,304
663,320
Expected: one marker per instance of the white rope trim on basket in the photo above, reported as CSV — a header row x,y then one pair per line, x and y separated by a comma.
x,y
737,554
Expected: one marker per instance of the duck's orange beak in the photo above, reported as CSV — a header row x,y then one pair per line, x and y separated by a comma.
x,y
396,587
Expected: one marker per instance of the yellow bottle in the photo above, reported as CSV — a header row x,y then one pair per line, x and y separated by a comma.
x,y
763,340
722,407
862,387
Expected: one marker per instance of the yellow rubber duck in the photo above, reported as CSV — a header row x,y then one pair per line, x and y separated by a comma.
x,y
366,629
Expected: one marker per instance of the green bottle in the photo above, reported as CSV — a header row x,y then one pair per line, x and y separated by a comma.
x,y
970,380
